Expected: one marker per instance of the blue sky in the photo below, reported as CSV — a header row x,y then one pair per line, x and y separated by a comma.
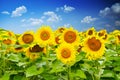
x,y
21,15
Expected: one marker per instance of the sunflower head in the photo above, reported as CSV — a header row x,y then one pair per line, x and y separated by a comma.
x,y
94,47
91,32
19,48
27,37
34,51
60,30
8,41
57,39
117,39
70,36
45,36
66,53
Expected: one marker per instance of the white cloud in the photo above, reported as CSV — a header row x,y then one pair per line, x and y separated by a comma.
x,y
88,19
52,17
113,11
116,8
117,23
67,25
66,8
19,11
32,21
35,21
105,12
5,12
23,20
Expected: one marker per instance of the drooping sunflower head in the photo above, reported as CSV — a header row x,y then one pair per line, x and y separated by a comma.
x,y
91,32
117,39
66,53
27,37
94,47
45,36
18,48
34,51
11,34
60,30
102,33
8,41
70,36
57,39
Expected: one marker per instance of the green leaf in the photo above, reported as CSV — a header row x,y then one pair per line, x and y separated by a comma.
x,y
6,76
80,74
57,66
14,57
108,73
31,71
79,57
117,68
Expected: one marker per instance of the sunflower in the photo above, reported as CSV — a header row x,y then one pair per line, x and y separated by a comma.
x,y
66,53
70,36
19,48
91,32
45,36
94,47
60,30
34,51
11,34
57,39
8,41
27,38
117,37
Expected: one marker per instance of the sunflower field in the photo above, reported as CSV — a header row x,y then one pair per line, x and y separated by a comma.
x,y
62,54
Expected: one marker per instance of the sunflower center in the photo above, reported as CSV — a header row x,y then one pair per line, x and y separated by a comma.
x,y
61,30
66,53
90,32
119,37
79,48
70,37
100,34
27,38
7,41
18,48
94,44
57,39
45,35
36,48
105,37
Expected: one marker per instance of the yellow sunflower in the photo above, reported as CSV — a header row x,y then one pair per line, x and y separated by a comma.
x,y
19,48
117,37
8,41
60,30
91,32
94,47
45,36
34,51
70,36
66,53
27,38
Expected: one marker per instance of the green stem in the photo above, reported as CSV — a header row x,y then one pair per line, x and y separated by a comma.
x,y
69,72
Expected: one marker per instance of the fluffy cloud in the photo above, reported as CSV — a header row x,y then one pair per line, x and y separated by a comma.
x,y
19,11
65,8
52,17
88,19
117,23
113,11
35,22
5,12
32,21
67,25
